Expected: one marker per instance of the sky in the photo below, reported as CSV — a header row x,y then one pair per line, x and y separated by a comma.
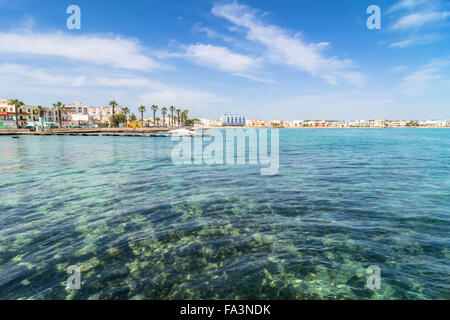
x,y
265,59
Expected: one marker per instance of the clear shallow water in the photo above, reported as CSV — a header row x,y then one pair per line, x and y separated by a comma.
x,y
140,227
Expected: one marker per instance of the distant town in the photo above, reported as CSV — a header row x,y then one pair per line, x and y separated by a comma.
x,y
14,114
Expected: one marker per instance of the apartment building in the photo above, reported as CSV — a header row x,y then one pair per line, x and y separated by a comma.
x,y
229,120
24,113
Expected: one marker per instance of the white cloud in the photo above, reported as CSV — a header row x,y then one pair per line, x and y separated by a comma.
x,y
21,74
415,41
405,4
417,20
167,95
426,78
220,58
354,78
399,69
284,49
213,34
122,82
210,33
420,81
106,51
257,79
37,85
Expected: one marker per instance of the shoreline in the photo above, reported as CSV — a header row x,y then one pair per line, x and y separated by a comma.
x,y
152,131
90,131
301,128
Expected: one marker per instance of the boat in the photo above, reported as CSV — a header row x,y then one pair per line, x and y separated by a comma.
x,y
183,133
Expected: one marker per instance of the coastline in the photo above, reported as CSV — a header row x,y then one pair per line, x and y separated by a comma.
x,y
142,131
91,131
302,128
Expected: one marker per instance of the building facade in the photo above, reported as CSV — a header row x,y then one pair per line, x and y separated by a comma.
x,y
229,120
210,122
79,115
25,114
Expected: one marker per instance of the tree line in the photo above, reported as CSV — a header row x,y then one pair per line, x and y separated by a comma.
x,y
181,117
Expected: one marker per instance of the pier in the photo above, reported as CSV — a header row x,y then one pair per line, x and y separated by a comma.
x,y
89,132
94,132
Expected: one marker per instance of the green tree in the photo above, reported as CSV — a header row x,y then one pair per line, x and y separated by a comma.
x,y
192,122
113,121
172,110
41,111
60,108
164,112
184,116
118,119
16,103
178,116
154,109
126,111
142,110
113,104
133,117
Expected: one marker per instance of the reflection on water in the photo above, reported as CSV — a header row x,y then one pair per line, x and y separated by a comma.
x,y
141,228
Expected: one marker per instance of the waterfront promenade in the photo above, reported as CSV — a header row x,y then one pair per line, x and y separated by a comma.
x,y
84,132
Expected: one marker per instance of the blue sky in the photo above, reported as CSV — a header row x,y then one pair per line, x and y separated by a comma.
x,y
286,59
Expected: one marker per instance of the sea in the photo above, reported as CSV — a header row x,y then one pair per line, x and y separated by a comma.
x,y
349,214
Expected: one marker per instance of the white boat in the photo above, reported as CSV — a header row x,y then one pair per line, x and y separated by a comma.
x,y
183,133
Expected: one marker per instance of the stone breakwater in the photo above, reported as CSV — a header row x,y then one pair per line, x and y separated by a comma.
x,y
93,131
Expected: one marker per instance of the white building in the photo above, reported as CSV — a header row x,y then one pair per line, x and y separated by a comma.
x,y
210,122
104,114
25,114
442,123
229,120
397,124
51,115
297,123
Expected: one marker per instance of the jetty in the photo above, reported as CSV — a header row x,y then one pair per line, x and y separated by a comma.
x,y
94,132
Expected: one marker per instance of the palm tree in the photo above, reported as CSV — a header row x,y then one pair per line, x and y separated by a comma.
x,y
164,112
154,109
184,116
157,120
41,114
113,104
172,109
60,108
16,103
178,116
41,110
142,110
125,111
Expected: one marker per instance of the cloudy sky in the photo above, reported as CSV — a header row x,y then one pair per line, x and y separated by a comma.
x,y
288,59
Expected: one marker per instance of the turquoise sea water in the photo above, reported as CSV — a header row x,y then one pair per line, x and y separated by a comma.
x,y
140,227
